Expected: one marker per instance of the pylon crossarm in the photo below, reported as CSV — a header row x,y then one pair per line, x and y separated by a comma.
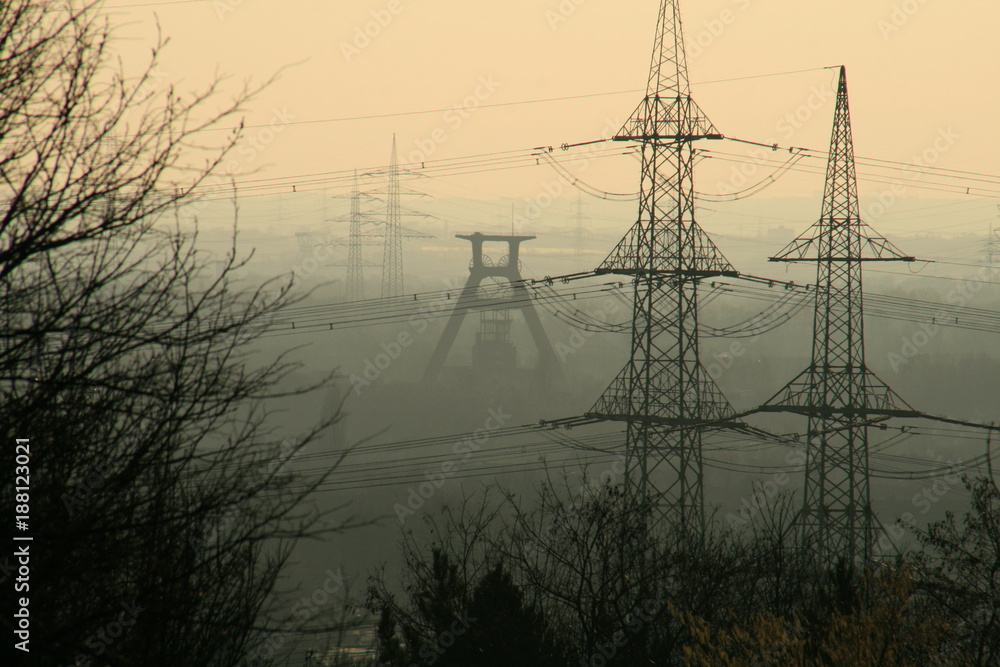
x,y
568,423
811,248
826,413
842,259
803,396
666,273
878,386
960,422
404,232
666,121
675,422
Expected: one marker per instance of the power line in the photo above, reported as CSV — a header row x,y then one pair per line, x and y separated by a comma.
x,y
380,465
951,188
502,160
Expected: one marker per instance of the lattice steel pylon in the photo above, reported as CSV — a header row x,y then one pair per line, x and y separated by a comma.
x,y
837,392
664,394
358,237
392,255
355,264
992,248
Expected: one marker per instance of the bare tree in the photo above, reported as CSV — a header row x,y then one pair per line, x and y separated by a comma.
x,y
961,570
461,605
614,586
584,559
161,505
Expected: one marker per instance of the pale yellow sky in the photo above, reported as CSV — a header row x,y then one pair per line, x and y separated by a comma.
x,y
918,70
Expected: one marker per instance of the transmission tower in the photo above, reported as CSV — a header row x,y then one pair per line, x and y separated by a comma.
x,y
386,234
663,394
355,265
993,249
837,392
357,237
392,255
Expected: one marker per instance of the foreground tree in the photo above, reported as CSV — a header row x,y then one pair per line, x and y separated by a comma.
x,y
461,605
160,502
961,571
609,586
454,623
582,561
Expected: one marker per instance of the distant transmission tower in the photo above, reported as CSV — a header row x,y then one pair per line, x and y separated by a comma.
x,y
663,394
837,392
358,219
355,265
392,256
993,249
388,232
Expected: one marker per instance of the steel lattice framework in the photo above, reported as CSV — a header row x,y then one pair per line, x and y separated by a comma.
x,y
392,255
355,265
388,233
357,238
993,248
838,392
664,394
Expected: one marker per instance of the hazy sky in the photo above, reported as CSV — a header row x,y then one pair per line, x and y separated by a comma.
x,y
920,72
